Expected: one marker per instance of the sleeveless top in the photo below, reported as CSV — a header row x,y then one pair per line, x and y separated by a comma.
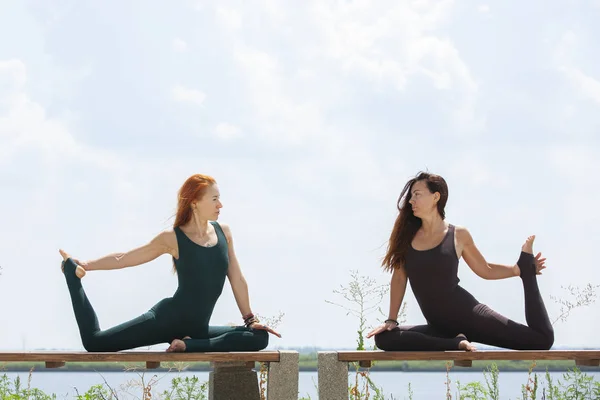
x,y
201,274
433,277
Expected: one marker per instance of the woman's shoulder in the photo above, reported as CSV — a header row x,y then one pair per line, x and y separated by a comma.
x,y
224,227
462,234
167,236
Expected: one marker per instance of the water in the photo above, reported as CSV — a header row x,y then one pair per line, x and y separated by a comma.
x,y
425,385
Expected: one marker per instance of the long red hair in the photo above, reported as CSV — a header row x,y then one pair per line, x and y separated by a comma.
x,y
193,189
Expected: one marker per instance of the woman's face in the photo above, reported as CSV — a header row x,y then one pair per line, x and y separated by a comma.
x,y
422,201
209,206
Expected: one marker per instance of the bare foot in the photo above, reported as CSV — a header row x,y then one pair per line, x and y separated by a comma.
x,y
528,246
177,346
465,344
79,271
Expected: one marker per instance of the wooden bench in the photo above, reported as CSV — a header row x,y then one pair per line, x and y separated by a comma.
x,y
333,366
231,377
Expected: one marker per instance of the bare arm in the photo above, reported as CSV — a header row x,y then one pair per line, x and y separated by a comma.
x,y
477,262
239,285
161,244
235,276
397,291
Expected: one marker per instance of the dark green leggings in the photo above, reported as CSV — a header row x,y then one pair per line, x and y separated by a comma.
x,y
162,324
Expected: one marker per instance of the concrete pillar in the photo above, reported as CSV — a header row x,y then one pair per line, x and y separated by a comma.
x,y
332,376
233,380
282,379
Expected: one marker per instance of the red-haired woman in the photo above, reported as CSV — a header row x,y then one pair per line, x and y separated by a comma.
x,y
424,250
203,256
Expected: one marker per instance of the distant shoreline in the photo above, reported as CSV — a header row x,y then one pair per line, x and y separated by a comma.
x,y
307,363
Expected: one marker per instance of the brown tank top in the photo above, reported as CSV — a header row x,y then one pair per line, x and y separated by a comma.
x,y
433,277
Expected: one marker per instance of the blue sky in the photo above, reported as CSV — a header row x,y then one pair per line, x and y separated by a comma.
x,y
311,116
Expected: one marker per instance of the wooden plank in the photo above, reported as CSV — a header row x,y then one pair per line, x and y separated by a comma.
x,y
138,356
379,355
152,364
55,364
365,364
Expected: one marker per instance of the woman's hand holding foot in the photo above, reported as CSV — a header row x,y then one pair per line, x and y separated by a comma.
x,y
79,271
540,262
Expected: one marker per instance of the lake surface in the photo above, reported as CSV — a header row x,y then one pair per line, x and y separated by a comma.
x,y
425,385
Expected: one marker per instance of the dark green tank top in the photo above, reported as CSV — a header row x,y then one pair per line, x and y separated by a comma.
x,y
201,273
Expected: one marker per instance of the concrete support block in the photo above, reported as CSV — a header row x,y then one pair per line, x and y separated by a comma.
x,y
282,380
333,376
233,380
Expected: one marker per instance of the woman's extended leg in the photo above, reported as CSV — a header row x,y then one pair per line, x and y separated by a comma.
x,y
420,338
489,327
145,330
224,338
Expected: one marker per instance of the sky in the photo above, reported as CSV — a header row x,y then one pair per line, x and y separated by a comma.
x,y
311,116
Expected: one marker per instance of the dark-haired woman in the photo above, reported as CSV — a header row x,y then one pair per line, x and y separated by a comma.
x,y
203,257
425,250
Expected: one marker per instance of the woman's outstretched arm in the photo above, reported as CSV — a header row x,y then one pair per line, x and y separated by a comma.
x,y
163,243
477,262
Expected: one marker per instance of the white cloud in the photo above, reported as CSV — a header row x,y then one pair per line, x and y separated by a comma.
x,y
392,41
230,18
227,131
283,118
384,44
566,47
25,126
12,74
565,56
483,8
180,45
23,122
587,85
183,94
293,88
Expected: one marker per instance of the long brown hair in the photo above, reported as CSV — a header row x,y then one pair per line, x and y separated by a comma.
x,y
193,189
407,225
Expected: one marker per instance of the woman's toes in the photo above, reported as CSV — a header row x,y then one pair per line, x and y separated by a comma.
x,y
176,346
64,254
528,246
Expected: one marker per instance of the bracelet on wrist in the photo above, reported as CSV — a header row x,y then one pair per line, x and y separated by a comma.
x,y
391,320
250,319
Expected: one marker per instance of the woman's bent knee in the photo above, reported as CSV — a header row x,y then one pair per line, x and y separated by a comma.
x,y
261,338
382,340
548,342
93,346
